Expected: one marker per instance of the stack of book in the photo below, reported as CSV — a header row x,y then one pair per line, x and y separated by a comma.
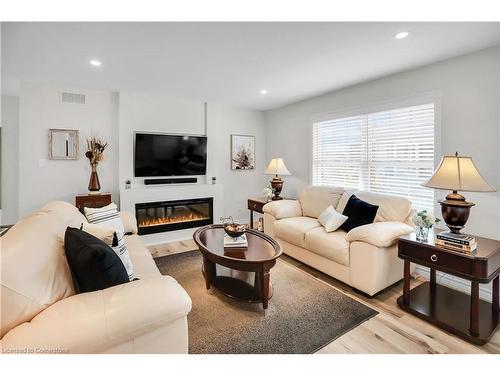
x,y
239,242
454,241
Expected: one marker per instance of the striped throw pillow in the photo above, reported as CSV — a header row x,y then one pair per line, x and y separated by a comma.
x,y
109,217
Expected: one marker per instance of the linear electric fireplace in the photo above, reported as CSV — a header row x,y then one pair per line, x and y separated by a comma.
x,y
165,216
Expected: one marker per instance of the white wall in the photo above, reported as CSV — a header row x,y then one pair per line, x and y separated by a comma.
x,y
10,158
469,91
154,112
239,185
42,180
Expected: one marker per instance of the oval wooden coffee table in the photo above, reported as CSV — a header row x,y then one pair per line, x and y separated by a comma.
x,y
241,273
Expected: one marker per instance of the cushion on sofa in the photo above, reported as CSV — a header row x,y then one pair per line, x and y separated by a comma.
x,y
107,235
315,199
109,217
38,274
390,208
382,234
331,220
94,264
294,229
329,245
344,199
358,213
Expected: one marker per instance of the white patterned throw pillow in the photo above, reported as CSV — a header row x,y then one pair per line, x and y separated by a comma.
x,y
331,219
109,217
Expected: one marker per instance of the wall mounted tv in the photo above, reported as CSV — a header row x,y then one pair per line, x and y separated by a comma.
x,y
169,155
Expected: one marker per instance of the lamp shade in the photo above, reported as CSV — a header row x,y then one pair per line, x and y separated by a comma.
x,y
276,167
458,173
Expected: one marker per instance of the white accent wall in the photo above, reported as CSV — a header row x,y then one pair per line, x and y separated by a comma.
x,y
468,122
153,112
145,112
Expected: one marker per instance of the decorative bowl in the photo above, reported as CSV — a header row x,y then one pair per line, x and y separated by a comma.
x,y
234,230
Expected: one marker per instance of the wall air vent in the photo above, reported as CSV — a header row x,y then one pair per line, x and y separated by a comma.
x,y
72,98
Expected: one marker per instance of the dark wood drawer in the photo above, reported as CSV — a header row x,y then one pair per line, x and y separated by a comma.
x,y
441,260
255,206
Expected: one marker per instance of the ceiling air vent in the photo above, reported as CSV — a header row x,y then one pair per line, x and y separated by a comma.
x,y
72,98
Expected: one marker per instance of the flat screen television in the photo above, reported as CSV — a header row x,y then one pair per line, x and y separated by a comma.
x,y
169,155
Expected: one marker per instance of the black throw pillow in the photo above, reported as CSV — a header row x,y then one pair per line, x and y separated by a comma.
x,y
358,213
94,264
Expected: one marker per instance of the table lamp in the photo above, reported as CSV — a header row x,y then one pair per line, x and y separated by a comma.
x,y
277,167
457,173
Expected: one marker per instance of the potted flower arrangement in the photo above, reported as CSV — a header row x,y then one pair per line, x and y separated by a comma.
x,y
268,192
95,154
424,221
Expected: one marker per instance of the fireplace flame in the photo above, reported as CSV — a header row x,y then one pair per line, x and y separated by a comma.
x,y
172,219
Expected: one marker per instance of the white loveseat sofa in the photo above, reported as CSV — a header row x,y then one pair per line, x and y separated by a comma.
x,y
40,312
366,258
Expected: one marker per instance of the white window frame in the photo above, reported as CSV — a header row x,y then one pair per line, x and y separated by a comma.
x,y
386,105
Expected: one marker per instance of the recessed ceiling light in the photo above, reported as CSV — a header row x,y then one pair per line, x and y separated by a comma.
x,y
402,35
263,92
95,63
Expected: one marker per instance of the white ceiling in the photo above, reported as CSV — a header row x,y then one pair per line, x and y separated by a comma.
x,y
228,62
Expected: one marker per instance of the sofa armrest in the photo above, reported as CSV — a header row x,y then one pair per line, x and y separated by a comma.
x,y
91,322
129,222
381,234
283,208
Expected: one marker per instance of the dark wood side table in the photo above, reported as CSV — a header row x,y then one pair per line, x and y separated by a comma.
x,y
461,314
92,200
256,205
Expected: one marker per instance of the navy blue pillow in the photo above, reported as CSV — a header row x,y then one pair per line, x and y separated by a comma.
x,y
94,265
358,213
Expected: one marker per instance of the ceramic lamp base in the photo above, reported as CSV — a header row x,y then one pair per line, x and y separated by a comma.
x,y
455,210
277,184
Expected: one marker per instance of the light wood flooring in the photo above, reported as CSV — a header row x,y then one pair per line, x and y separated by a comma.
x,y
391,331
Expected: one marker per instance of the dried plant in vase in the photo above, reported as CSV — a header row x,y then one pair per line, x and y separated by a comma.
x,y
95,154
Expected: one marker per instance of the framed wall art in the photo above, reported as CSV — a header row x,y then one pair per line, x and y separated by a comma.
x,y
242,152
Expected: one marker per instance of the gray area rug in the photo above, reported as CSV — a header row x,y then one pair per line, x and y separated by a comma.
x,y
304,313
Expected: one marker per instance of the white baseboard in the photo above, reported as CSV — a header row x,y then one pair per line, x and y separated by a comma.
x,y
455,282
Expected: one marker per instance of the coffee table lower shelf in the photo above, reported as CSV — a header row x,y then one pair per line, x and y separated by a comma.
x,y
239,289
449,309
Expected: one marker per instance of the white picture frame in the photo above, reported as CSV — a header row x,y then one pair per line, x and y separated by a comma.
x,y
242,152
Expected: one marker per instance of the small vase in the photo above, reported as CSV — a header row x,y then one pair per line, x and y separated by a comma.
x,y
94,185
422,233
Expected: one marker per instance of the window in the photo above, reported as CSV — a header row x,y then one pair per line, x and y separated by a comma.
x,y
389,152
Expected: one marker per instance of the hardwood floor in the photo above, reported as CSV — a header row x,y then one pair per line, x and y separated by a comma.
x,y
391,331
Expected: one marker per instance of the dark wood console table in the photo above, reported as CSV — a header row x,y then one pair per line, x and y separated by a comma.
x,y
464,315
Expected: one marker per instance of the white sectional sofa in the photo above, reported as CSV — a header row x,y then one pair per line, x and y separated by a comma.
x,y
366,257
40,312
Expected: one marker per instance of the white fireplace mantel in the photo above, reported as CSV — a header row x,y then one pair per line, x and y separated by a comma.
x,y
158,193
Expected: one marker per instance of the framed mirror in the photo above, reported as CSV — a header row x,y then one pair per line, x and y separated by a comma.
x,y
63,144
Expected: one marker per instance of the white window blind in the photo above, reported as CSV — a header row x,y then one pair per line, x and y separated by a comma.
x,y
389,152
